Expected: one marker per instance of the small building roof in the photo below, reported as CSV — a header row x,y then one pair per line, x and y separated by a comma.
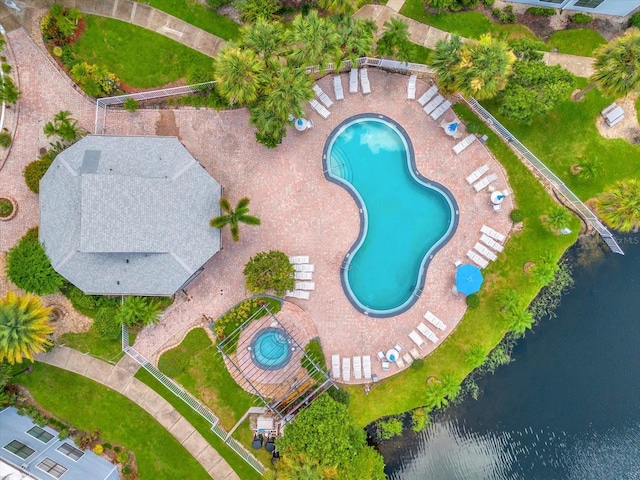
x,y
128,215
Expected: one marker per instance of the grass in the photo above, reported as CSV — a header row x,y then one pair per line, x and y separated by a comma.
x,y
202,16
466,24
89,406
155,61
420,54
242,468
90,342
568,134
580,41
483,326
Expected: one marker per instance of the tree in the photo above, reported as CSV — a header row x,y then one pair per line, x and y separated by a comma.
x,y
139,311
435,396
269,271
232,217
510,300
339,6
475,356
445,58
619,205
617,65
316,41
251,11
520,320
238,75
265,38
64,126
24,327
557,218
357,36
394,42
8,90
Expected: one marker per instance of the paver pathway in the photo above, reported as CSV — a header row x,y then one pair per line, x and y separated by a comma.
x,y
120,378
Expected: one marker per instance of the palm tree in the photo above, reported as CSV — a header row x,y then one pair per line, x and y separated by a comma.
x,y
263,37
339,6
231,217
316,41
619,205
63,126
394,42
8,90
617,65
557,218
357,36
286,89
139,311
445,57
520,320
475,356
24,327
238,75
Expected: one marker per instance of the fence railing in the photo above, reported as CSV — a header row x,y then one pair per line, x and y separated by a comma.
x,y
543,170
186,397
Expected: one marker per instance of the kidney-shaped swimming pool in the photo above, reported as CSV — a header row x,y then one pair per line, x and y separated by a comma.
x,y
405,218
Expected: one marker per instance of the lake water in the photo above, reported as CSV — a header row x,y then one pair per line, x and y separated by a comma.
x,y
568,407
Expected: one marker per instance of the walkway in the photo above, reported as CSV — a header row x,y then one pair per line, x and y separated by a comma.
x,y
120,378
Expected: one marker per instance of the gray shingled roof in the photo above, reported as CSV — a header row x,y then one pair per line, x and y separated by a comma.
x,y
128,215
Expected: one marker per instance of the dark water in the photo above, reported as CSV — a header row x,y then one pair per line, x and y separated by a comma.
x,y
568,407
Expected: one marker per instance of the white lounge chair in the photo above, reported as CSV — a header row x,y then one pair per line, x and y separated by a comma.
x,y
414,353
385,365
357,368
366,367
407,358
477,173
459,147
323,97
426,331
353,80
381,355
399,362
299,259
438,112
346,369
318,107
492,233
477,259
304,267
364,81
411,87
303,275
433,104
415,338
487,240
484,251
428,95
301,294
435,321
335,366
337,87
305,285
485,182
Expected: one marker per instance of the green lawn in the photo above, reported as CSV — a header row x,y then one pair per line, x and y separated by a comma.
x,y
420,54
466,24
581,41
485,325
90,342
155,61
89,406
200,15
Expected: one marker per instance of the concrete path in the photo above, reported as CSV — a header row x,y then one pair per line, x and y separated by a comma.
x,y
120,378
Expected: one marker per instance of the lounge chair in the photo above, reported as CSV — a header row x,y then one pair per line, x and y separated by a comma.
x,y
337,87
414,353
381,355
364,81
426,331
385,365
492,233
476,174
305,285
459,147
353,80
485,182
428,95
346,369
435,321
407,358
323,97
303,275
299,259
433,104
366,367
301,294
357,368
487,240
415,338
304,267
484,251
477,259
411,87
335,366
318,107
398,347
399,362
438,112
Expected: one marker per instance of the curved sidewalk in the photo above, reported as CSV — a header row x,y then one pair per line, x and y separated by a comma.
x,y
120,378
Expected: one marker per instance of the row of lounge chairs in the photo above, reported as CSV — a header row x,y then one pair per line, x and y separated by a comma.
x,y
361,367
466,141
303,270
489,238
402,361
426,331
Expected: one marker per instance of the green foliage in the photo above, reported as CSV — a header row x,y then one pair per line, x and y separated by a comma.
x,y
581,18
473,301
29,268
131,105
233,217
389,428
541,11
139,311
58,26
419,419
6,372
527,49
589,169
505,15
64,126
475,356
95,80
634,20
544,271
106,323
520,320
8,90
6,208
394,42
340,395
236,316
557,218
434,396
269,271
617,65
618,205
549,298
253,10
314,360
34,172
339,6
417,364
5,139
122,457
6,68
516,215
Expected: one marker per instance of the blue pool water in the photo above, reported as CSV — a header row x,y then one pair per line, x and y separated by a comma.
x,y
405,217
270,348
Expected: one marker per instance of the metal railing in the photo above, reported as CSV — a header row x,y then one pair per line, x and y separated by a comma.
x,y
543,170
186,397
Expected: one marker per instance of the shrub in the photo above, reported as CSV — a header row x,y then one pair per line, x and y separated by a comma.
x,y
5,139
516,216
139,311
418,363
473,301
63,433
131,105
542,11
107,446
6,207
106,323
126,470
389,428
581,18
557,218
634,21
57,51
34,172
488,3
98,449
122,457
314,358
505,15
6,68
340,395
419,419
29,268
269,271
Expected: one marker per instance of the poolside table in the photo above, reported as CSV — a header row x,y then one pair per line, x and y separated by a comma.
x,y
392,355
